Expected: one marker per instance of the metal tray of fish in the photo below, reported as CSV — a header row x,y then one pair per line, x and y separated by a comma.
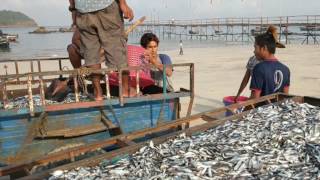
x,y
278,140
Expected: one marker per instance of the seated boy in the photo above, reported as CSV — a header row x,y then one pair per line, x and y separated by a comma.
x,y
150,43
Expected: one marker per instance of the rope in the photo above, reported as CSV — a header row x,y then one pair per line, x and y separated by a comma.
x,y
81,74
164,82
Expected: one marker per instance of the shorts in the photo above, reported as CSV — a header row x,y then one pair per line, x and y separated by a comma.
x,y
103,28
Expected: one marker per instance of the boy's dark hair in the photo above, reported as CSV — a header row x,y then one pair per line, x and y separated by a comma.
x,y
147,38
266,40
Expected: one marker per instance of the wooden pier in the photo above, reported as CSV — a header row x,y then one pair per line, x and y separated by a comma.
x,y
303,29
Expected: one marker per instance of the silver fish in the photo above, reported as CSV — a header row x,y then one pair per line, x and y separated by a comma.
x,y
277,141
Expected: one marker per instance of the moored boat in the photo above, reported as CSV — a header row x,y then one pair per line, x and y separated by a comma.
x,y
41,30
4,43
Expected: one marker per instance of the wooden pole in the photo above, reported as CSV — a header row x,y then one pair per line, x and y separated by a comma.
x,y
30,96
76,88
42,93
17,70
107,86
4,94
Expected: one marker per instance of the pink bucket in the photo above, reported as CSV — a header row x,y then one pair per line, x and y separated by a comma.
x,y
228,100
135,58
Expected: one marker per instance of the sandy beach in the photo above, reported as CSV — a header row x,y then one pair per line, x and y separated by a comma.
x,y
219,71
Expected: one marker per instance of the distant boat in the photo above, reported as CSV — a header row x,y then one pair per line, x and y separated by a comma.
x,y
310,28
4,43
147,31
11,37
41,30
258,30
218,32
193,32
63,30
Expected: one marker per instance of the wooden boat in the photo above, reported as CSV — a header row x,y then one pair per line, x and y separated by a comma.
x,y
130,143
64,30
42,30
258,30
4,43
9,37
31,132
193,32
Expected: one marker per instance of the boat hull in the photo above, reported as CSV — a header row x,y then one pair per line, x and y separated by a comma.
x,y
24,138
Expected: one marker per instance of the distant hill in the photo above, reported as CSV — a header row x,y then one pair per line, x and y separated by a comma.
x,y
15,19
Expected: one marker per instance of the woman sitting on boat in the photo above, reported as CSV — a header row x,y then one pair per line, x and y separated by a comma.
x,y
150,43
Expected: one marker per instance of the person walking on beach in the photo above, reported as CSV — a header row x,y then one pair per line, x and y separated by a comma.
x,y
253,61
181,48
270,76
100,23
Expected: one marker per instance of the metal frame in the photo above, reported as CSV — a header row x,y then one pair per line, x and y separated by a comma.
x,y
128,146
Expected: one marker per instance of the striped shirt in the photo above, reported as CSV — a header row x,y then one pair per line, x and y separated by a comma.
x,y
86,6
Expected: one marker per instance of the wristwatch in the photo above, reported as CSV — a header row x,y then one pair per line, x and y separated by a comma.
x,y
72,9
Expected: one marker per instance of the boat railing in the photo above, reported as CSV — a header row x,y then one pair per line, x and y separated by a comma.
x,y
33,78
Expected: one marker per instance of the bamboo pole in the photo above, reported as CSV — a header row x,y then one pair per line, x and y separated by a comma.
x,y
42,93
76,88
4,94
107,86
30,96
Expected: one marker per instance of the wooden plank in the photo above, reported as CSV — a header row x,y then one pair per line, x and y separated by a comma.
x,y
154,97
76,132
208,118
124,142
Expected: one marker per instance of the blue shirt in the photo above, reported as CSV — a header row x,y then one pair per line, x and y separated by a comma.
x,y
86,6
270,76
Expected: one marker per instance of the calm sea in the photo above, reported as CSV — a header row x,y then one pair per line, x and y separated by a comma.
x,y
54,44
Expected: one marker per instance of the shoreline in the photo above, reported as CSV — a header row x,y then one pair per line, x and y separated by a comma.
x,y
18,26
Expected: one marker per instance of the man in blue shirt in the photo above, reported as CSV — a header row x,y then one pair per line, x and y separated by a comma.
x,y
101,25
270,76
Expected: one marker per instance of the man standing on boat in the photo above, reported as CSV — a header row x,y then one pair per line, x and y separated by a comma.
x,y
270,76
100,23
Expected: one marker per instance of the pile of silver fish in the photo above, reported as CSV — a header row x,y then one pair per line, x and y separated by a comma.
x,y
23,101
278,141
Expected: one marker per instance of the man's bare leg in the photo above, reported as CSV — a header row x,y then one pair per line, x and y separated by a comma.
x,y
127,90
74,57
96,83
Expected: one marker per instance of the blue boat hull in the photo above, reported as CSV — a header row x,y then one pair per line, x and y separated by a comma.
x,y
23,138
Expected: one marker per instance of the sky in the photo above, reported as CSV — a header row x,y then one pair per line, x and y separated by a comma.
x,y
55,12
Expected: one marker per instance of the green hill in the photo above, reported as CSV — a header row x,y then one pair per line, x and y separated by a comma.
x,y
15,19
